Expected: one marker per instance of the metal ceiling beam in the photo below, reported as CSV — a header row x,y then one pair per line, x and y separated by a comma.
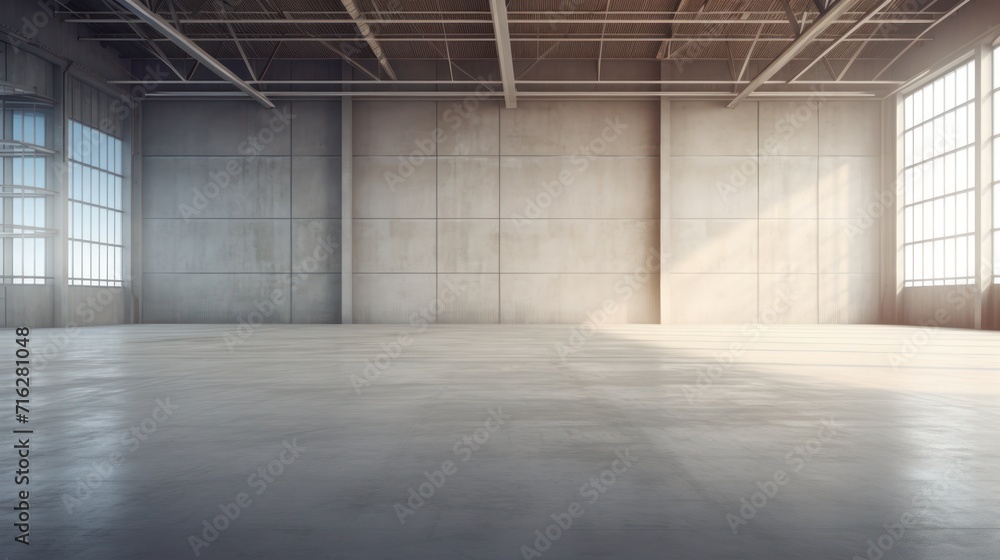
x,y
534,94
919,37
793,19
239,47
151,46
178,38
746,63
519,39
369,35
326,21
537,60
498,8
854,28
664,50
497,82
803,41
512,14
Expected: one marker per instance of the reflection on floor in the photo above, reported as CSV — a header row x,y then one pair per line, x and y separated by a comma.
x,y
371,442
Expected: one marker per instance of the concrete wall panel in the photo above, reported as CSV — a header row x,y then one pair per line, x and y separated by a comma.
x,y
395,128
708,128
575,298
215,187
29,306
849,128
316,298
278,213
718,187
93,305
316,129
393,298
316,246
848,186
789,246
216,298
469,298
848,298
217,246
580,127
468,246
788,186
580,246
316,187
385,188
713,246
468,187
800,194
216,128
575,187
789,128
846,248
469,128
712,298
395,246
789,299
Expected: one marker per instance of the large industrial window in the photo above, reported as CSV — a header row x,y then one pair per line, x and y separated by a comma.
x,y
23,253
95,207
939,179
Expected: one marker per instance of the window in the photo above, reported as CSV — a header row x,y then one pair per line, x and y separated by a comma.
x,y
24,207
939,181
95,207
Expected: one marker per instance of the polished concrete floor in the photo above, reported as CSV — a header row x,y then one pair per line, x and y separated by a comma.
x,y
811,442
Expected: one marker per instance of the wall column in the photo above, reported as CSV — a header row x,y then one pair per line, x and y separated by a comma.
x,y
347,212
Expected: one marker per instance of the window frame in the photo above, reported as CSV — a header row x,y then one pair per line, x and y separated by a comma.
x,y
96,202
937,250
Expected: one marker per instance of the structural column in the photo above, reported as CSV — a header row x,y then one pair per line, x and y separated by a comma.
x,y
347,212
664,210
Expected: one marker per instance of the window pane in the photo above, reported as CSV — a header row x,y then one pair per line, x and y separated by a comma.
x,y
908,226
908,262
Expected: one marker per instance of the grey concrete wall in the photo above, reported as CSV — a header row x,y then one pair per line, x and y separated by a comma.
x,y
535,215
241,212
766,212
29,306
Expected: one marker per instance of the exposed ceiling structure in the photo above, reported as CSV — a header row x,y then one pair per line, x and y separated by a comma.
x,y
728,49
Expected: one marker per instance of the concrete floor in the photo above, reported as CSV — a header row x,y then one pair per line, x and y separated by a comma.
x,y
913,438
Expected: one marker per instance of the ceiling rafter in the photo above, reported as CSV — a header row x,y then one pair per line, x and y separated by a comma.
x,y
730,40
